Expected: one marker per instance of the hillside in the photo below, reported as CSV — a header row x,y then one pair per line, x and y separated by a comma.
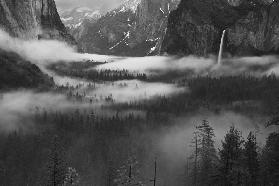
x,y
16,72
33,19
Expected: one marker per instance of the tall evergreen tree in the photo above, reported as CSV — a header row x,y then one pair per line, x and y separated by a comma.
x,y
195,159
270,161
204,157
251,160
56,167
231,154
208,156
128,174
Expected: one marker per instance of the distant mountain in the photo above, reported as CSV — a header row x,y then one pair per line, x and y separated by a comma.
x,y
73,18
76,20
135,28
196,27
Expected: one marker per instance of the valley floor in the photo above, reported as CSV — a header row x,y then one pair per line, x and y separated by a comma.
x,y
106,124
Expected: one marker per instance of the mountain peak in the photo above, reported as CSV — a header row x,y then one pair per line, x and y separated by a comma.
x,y
75,17
130,5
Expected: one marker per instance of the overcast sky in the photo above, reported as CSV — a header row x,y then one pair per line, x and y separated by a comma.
x,y
103,4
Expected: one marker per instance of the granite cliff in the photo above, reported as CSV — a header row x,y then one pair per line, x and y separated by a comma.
x,y
28,19
136,28
252,27
33,19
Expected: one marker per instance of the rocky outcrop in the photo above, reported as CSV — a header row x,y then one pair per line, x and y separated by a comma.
x,y
32,19
151,21
108,35
28,19
134,29
252,27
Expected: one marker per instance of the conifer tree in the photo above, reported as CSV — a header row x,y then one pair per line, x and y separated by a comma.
x,y
204,157
270,161
231,156
128,174
56,167
208,156
251,160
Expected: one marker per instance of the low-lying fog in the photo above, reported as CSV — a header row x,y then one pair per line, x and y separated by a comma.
x,y
171,142
44,52
257,66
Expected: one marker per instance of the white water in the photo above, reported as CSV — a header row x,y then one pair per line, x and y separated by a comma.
x,y
221,48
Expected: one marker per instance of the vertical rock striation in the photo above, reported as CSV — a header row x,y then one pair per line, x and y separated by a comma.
x,y
134,29
31,19
197,25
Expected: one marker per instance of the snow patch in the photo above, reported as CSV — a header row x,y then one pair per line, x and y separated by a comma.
x,y
67,19
83,9
126,36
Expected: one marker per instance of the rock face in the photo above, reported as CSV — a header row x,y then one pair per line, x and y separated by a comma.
x,y
151,21
133,29
18,73
32,19
28,19
252,27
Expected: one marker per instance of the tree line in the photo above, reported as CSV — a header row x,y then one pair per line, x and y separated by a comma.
x,y
236,162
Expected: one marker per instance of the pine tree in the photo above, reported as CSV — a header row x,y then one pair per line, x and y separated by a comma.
x,y
56,168
275,115
195,157
231,155
251,160
128,174
204,157
208,156
270,161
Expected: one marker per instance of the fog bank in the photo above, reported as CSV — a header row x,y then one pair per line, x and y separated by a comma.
x,y
46,51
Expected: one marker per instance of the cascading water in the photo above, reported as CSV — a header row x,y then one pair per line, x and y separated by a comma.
x,y
221,48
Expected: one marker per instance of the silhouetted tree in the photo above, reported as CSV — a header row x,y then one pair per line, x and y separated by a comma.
x,y
270,161
208,156
231,154
251,160
56,167
128,174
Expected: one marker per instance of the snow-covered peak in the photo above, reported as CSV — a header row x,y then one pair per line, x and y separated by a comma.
x,y
75,17
130,5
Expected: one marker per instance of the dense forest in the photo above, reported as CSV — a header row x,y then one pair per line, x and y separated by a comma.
x,y
93,138
86,70
79,148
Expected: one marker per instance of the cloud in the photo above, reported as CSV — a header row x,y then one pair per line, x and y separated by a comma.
x,y
193,65
50,51
16,108
45,51
134,90
104,5
160,63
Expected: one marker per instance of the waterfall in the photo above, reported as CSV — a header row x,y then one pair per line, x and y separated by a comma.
x,y
221,48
